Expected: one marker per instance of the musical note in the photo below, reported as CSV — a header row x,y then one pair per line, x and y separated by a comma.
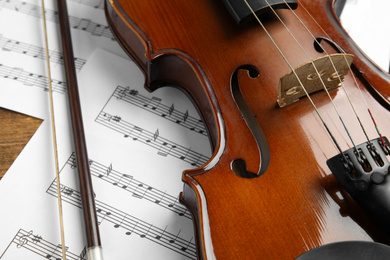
x,y
185,117
82,24
134,226
153,103
195,159
141,186
159,200
130,178
171,205
161,234
116,182
7,44
136,132
199,127
107,116
106,214
171,109
120,223
109,169
184,248
185,210
165,149
192,157
144,234
156,134
174,239
67,191
122,93
56,255
107,172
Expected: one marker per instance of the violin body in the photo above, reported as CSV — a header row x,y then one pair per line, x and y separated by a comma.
x,y
287,201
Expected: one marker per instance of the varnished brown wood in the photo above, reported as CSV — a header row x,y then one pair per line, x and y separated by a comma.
x,y
297,204
87,195
15,132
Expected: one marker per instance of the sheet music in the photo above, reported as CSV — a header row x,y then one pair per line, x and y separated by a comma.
x,y
138,143
136,169
22,47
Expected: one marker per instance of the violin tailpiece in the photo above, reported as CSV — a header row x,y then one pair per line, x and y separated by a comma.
x,y
365,177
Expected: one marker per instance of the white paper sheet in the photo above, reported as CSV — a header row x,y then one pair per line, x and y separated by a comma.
x,y
136,155
137,204
367,22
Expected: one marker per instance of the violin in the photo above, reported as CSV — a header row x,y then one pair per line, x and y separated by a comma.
x,y
288,100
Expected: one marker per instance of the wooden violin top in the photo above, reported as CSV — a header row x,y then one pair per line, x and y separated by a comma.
x,y
296,204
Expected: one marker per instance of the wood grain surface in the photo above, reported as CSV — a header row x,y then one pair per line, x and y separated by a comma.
x,y
295,205
15,132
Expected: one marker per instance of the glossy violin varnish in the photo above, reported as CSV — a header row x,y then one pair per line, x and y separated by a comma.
x,y
267,192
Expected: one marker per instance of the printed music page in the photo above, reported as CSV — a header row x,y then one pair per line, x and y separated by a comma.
x,y
138,143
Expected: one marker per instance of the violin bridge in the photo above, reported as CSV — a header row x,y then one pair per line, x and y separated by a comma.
x,y
290,90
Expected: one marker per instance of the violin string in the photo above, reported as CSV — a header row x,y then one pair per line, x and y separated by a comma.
x,y
334,68
54,136
296,75
350,71
316,70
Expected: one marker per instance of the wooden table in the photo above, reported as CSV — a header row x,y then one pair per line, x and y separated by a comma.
x,y
15,131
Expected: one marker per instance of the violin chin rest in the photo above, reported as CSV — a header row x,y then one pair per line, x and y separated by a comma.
x,y
356,250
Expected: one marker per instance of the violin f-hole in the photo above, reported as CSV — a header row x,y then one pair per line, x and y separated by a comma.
x,y
238,166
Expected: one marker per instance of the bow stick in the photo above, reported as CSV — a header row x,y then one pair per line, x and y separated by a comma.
x,y
94,248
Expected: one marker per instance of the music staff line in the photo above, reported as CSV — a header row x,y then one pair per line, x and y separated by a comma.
x,y
138,189
164,147
97,4
131,224
155,106
10,45
75,22
31,79
36,244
